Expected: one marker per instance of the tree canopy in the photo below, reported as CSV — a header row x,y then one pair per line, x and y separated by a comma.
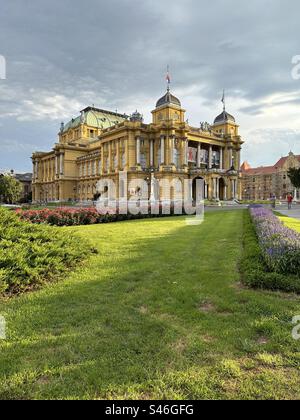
x,y
294,175
10,189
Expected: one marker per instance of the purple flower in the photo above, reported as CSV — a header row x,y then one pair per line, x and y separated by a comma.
x,y
279,244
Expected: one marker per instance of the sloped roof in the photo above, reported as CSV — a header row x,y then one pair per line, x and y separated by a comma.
x,y
245,166
266,170
263,170
24,177
283,160
95,117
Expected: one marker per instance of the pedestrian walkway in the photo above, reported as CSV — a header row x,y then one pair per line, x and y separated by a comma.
x,y
294,212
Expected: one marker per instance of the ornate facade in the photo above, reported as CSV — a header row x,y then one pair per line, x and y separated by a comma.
x,y
266,181
100,144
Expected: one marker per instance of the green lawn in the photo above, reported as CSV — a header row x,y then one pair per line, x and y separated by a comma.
x,y
159,313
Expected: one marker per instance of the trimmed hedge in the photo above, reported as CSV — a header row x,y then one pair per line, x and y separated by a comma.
x,y
32,255
254,270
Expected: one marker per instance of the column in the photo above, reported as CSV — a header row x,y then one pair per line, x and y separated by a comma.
x,y
230,158
56,165
118,155
138,151
172,145
233,189
199,156
185,152
225,192
238,155
210,158
151,153
162,149
152,192
34,170
217,189
214,188
221,157
61,164
109,157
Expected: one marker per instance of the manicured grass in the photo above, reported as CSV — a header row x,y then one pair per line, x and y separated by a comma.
x,y
158,313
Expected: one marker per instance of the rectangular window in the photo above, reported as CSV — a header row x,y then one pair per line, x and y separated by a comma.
x,y
204,156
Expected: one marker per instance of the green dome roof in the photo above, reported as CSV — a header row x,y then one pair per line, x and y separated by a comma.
x,y
97,118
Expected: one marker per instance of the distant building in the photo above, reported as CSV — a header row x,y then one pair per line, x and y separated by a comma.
x,y
266,181
26,181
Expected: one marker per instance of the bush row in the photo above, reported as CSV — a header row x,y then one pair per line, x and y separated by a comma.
x,y
78,216
255,272
32,255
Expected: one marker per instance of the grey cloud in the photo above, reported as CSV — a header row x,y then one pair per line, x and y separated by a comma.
x,y
65,55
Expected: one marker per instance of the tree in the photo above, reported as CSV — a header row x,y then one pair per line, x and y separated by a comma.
x,y
10,189
294,175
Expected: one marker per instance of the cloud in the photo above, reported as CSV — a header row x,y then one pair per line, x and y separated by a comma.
x,y
114,54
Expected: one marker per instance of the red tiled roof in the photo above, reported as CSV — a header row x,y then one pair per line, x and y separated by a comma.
x,y
264,170
282,161
245,166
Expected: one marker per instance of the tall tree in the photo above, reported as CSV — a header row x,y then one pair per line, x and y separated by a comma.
x,y
294,175
10,189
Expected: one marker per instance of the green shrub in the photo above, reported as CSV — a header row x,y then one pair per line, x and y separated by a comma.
x,y
31,255
255,272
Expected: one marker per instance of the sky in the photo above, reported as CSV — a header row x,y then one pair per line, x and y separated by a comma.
x,y
62,56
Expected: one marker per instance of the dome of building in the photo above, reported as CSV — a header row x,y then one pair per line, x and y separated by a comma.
x,y
168,99
224,118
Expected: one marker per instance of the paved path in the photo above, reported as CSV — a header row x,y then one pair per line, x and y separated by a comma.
x,y
226,208
295,212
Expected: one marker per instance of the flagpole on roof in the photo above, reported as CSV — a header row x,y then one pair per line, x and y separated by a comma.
x,y
223,100
168,78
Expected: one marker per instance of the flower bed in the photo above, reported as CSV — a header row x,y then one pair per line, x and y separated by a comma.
x,y
279,244
61,216
66,216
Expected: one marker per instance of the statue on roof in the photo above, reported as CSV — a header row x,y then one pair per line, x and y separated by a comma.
x,y
136,116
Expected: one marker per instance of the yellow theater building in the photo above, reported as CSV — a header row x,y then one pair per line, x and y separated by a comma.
x,y
100,144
